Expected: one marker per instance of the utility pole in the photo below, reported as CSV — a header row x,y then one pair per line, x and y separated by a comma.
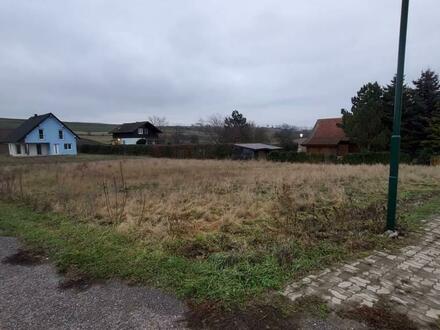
x,y
395,138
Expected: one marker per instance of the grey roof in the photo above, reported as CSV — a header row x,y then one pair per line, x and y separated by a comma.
x,y
28,125
257,146
131,127
4,133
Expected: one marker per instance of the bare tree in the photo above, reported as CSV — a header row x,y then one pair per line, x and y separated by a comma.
x,y
158,121
213,127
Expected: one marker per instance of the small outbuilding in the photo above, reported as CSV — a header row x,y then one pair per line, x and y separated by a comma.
x,y
252,150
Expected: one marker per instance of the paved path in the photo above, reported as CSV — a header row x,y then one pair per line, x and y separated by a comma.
x,y
409,280
30,299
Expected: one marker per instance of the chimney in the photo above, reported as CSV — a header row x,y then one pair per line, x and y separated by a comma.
x,y
35,115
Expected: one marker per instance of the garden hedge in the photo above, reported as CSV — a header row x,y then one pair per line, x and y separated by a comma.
x,y
353,159
198,151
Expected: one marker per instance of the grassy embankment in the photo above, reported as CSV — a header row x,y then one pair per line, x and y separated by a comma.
x,y
217,231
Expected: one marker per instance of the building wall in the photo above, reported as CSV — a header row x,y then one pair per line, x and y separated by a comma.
x,y
32,148
50,127
317,150
4,148
134,140
341,149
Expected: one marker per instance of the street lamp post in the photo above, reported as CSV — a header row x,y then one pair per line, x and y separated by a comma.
x,y
395,138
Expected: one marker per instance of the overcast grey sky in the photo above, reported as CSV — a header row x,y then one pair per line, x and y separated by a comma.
x,y
277,62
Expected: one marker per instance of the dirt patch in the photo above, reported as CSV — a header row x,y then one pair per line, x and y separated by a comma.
x,y
380,316
274,312
25,258
209,316
75,280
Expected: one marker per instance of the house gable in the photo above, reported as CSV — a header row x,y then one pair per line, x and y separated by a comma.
x,y
51,127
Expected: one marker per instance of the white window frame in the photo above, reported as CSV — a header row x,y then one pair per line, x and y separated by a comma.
x,y
67,146
140,131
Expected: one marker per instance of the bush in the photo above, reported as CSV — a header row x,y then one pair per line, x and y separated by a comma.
x,y
295,157
202,151
352,159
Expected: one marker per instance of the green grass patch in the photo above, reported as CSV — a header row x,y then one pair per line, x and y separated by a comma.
x,y
224,277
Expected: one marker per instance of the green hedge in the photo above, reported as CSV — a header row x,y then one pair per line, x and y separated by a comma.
x,y
299,157
198,151
353,159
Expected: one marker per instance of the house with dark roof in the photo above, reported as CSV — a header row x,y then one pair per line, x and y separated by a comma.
x,y
142,132
42,135
328,138
246,151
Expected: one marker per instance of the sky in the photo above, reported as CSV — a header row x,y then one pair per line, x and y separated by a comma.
x,y
275,61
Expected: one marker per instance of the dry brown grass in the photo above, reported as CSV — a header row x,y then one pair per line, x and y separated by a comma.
x,y
163,199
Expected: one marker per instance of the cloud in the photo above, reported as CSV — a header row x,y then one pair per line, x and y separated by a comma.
x,y
276,61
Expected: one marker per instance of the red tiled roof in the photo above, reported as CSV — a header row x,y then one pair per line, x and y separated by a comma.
x,y
326,132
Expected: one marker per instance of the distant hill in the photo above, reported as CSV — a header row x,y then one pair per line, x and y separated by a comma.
x,y
99,132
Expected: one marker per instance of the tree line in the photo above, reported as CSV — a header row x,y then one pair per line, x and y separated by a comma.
x,y
236,128
369,122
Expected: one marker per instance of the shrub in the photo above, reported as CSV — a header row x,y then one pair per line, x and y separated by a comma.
x,y
296,157
352,159
372,158
200,151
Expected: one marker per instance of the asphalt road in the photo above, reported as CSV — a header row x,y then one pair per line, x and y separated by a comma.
x,y
30,298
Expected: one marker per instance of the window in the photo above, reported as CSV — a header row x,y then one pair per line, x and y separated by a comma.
x,y
67,146
61,134
18,148
41,134
140,131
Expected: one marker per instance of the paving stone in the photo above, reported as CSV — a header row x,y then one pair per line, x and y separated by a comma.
x,y
337,294
409,279
433,313
345,284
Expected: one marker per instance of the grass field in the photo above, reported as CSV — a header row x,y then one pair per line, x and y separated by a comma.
x,y
221,231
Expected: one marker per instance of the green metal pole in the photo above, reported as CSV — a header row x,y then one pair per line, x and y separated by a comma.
x,y
395,138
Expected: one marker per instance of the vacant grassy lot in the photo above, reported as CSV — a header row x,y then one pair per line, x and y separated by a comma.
x,y
217,230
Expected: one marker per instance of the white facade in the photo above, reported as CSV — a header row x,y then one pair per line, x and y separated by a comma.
x,y
27,149
131,141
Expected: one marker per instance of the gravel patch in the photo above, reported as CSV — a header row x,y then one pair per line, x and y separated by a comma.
x,y
30,298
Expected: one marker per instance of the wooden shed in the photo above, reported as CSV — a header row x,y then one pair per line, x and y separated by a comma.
x,y
252,150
